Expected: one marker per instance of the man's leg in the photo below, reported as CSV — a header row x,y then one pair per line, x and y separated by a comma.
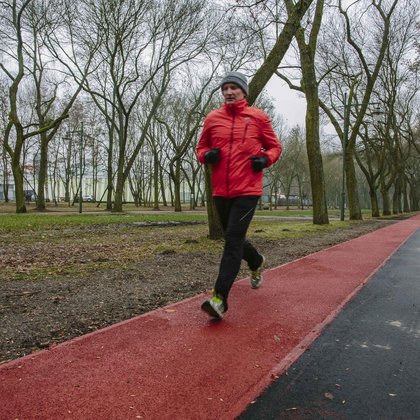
x,y
251,256
235,223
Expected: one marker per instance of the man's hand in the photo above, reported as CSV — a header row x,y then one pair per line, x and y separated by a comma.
x,y
212,156
258,163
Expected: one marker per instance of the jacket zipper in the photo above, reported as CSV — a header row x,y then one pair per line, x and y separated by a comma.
x,y
230,156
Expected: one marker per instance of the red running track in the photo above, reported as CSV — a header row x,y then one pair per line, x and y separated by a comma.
x,y
174,363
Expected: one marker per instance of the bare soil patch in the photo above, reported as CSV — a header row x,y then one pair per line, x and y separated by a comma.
x,y
65,284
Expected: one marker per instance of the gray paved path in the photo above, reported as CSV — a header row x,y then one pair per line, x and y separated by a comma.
x,y
366,363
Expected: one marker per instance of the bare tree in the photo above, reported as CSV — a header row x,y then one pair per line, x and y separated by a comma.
x,y
143,44
309,86
293,27
371,158
3,154
44,19
273,59
182,120
32,23
383,17
12,27
384,149
288,166
157,143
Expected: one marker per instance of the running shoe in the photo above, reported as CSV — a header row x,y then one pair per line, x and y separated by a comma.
x,y
215,307
256,276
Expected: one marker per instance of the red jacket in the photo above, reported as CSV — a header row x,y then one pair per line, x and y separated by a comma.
x,y
239,131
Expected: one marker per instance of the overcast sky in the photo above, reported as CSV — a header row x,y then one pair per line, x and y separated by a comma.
x,y
290,104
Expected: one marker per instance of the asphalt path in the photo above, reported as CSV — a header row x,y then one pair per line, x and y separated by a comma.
x,y
366,363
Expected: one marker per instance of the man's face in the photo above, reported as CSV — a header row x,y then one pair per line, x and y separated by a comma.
x,y
232,93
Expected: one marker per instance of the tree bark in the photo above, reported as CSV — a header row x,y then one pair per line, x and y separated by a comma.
x,y
351,185
373,200
42,173
310,87
18,178
215,227
385,201
176,178
155,180
273,60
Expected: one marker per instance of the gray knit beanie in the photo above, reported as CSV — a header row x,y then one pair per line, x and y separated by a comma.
x,y
236,78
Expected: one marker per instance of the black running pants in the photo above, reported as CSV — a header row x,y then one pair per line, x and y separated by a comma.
x,y
235,215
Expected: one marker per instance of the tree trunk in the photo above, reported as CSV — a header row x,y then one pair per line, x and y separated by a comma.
x,y
42,174
20,196
176,177
110,171
396,197
162,187
316,170
373,200
55,182
414,194
385,202
406,204
5,177
351,184
310,87
155,180
119,187
215,227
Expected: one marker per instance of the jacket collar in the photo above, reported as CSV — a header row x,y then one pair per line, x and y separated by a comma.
x,y
236,107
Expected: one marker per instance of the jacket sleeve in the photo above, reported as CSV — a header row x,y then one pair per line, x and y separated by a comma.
x,y
269,140
204,143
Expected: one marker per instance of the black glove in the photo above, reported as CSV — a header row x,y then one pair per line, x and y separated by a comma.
x,y
258,163
212,156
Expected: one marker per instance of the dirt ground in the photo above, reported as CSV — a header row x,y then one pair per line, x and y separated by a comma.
x,y
38,313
